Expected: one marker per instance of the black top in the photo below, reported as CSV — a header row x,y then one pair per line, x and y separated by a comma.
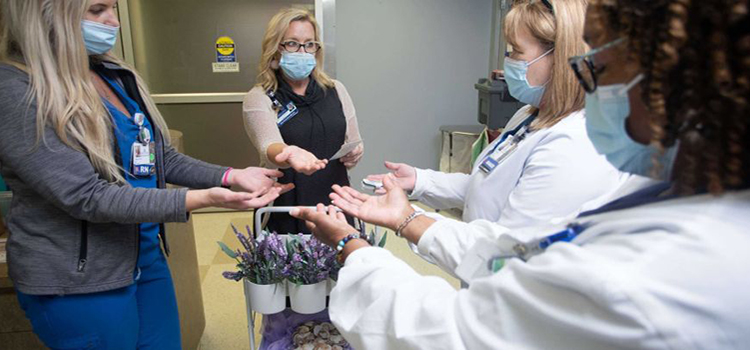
x,y
320,128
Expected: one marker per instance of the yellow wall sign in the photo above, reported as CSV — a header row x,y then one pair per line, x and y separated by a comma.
x,y
225,49
226,56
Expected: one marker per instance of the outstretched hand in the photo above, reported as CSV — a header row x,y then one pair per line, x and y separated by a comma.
x,y
326,223
404,174
225,198
300,160
257,181
388,210
352,158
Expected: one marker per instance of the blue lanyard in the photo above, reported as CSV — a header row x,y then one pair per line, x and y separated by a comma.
x,y
651,194
138,117
525,251
513,132
567,235
646,195
493,159
129,103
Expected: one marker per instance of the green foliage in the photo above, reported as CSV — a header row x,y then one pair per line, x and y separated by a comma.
x,y
232,254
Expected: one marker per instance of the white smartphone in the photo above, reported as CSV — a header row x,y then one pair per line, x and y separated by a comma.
x,y
371,185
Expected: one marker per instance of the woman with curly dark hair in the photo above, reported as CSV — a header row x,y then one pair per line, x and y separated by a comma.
x,y
665,267
694,60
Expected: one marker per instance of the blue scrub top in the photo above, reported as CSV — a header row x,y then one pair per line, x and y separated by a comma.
x,y
126,132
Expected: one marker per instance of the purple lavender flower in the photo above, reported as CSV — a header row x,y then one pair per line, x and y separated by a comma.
x,y
262,260
268,259
232,275
310,260
245,242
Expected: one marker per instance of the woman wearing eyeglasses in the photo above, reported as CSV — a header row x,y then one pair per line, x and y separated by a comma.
x,y
543,166
297,117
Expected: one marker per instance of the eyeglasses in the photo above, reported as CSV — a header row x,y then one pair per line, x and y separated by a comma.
x,y
548,5
585,67
294,46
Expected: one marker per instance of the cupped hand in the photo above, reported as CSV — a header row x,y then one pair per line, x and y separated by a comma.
x,y
388,210
225,198
256,180
300,160
405,176
351,159
326,223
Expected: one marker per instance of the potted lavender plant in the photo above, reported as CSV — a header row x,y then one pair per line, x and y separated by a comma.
x,y
310,264
262,266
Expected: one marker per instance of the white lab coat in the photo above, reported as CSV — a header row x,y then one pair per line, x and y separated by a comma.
x,y
668,275
552,174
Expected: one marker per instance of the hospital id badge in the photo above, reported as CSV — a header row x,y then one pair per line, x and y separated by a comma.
x,y
287,113
493,160
143,159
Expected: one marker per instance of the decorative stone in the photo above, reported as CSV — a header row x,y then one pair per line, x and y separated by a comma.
x,y
313,335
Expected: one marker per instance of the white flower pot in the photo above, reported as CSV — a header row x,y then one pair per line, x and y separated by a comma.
x,y
308,298
265,298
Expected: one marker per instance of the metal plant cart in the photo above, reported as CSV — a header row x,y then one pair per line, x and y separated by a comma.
x,y
258,226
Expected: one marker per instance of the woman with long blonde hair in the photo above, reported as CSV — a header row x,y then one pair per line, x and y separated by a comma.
x,y
87,155
543,166
298,117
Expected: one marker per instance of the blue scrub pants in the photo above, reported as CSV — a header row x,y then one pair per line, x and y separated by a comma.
x,y
140,316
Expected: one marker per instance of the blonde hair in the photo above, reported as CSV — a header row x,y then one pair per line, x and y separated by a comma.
x,y
275,31
41,37
560,29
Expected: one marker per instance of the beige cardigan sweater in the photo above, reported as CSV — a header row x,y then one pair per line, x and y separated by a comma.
x,y
260,120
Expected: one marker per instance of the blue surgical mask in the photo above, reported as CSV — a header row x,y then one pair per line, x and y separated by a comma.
x,y
607,110
99,38
297,65
515,76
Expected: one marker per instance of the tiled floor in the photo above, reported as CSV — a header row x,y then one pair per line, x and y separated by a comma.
x,y
226,320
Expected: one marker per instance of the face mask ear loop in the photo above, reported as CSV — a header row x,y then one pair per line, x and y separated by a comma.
x,y
540,57
638,78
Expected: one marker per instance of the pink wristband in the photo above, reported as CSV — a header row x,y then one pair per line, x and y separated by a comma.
x,y
225,178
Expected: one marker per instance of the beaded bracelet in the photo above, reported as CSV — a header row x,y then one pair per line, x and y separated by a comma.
x,y
342,243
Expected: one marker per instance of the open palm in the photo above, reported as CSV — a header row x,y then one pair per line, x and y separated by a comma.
x,y
300,160
405,176
388,210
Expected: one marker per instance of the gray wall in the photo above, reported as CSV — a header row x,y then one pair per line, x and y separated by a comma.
x,y
410,67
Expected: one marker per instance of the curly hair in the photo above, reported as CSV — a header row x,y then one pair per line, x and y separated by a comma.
x,y
695,56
